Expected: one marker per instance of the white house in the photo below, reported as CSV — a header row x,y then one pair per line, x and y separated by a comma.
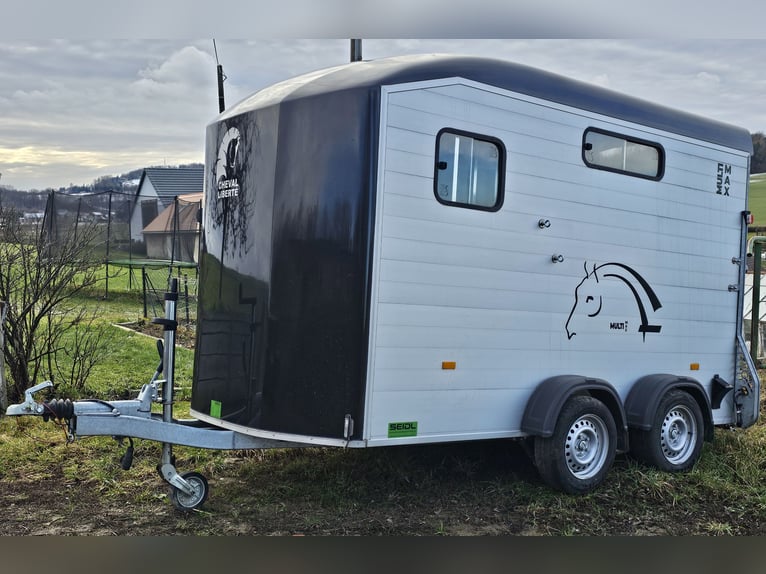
x,y
156,191
174,233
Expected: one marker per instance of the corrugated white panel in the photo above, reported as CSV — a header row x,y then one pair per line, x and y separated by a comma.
x,y
411,236
531,134
480,289
409,163
410,377
589,226
576,251
545,307
479,412
399,339
524,136
541,121
526,106
455,103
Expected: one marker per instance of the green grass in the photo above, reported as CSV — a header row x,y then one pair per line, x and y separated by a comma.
x,y
757,199
480,488
128,359
458,489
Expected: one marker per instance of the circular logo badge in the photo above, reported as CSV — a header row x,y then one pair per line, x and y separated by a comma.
x,y
226,170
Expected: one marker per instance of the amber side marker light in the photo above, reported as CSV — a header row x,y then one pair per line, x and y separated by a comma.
x,y
449,365
694,366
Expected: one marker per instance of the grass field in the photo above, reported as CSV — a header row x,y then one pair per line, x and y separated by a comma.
x,y
128,359
486,488
757,199
51,487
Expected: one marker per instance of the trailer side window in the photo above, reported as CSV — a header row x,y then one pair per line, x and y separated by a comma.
x,y
623,154
469,170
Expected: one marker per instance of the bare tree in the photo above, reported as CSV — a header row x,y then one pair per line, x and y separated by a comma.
x,y
41,268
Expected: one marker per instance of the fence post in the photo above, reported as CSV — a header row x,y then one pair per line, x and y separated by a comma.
x,y
143,283
755,314
3,389
108,239
186,297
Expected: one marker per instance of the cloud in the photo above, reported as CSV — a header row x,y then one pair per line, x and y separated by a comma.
x,y
96,106
187,68
707,80
175,95
116,105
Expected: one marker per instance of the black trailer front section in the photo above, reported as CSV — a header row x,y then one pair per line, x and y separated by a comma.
x,y
282,317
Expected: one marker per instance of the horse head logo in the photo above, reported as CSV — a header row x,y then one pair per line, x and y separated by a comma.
x,y
226,168
589,298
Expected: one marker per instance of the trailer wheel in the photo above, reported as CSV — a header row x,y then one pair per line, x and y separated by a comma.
x,y
577,456
674,442
186,502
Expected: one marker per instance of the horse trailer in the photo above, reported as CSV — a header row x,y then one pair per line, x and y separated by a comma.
x,y
441,248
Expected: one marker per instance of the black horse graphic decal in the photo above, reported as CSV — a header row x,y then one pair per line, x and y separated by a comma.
x,y
226,165
589,298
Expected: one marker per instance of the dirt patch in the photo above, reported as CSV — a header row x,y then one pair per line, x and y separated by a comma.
x,y
185,334
454,490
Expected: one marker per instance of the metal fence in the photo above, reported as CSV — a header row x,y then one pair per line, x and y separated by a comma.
x,y
165,247
153,280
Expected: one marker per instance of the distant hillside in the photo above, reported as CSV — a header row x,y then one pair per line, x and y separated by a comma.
x,y
34,200
123,182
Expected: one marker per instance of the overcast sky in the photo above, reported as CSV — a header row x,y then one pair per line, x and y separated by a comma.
x,y
73,110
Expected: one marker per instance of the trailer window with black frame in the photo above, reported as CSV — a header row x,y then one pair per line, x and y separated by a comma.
x,y
469,170
623,154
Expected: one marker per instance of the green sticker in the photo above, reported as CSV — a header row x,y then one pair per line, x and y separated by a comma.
x,y
399,430
215,409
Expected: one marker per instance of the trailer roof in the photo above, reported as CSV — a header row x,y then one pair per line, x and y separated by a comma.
x,y
502,74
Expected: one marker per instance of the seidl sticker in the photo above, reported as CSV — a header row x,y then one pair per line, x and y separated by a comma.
x,y
400,430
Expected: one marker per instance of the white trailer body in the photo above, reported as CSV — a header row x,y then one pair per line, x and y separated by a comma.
x,y
486,291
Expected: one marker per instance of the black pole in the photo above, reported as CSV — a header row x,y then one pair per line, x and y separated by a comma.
x,y
756,294
143,283
49,226
173,240
108,239
130,230
186,297
221,103
356,50
77,219
221,78
175,231
130,243
46,232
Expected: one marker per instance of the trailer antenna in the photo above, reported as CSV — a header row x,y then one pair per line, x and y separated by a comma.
x,y
221,78
356,50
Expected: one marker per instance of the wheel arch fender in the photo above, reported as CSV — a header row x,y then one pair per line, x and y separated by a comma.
x,y
544,405
647,392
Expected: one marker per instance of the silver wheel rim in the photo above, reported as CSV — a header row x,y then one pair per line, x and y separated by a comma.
x,y
191,500
679,434
586,446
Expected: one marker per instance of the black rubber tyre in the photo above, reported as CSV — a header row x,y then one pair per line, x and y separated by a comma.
x,y
187,502
674,442
579,454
